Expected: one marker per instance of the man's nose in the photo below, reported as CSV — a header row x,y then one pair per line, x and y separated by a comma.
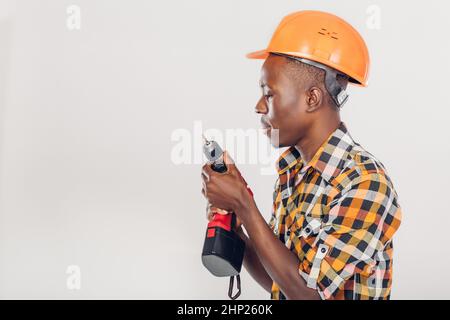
x,y
261,106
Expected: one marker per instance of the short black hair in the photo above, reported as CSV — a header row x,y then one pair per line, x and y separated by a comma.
x,y
309,75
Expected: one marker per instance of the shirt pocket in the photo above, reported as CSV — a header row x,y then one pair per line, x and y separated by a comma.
x,y
304,235
310,227
311,224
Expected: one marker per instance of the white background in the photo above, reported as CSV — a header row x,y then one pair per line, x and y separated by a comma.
x,y
86,118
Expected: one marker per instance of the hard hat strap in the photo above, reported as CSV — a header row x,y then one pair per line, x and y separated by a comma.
x,y
336,91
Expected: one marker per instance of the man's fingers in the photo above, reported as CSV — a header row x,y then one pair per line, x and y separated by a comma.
x,y
205,177
220,211
231,166
207,170
204,190
204,174
238,222
211,211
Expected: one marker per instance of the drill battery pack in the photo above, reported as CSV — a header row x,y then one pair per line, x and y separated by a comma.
x,y
223,249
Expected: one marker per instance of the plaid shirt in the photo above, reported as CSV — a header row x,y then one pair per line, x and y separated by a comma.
x,y
338,214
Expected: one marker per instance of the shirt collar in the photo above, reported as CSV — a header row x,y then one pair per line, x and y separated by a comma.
x,y
329,159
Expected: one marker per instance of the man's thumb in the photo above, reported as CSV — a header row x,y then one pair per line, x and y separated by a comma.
x,y
227,159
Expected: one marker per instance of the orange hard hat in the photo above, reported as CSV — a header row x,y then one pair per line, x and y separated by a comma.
x,y
324,38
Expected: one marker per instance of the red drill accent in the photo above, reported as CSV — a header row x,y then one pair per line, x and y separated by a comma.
x,y
211,233
221,220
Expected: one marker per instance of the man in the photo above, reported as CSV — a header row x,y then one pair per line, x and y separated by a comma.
x,y
335,208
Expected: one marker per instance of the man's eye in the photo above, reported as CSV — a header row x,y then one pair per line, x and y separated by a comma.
x,y
268,96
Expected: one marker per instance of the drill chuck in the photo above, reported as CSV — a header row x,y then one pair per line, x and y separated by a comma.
x,y
214,154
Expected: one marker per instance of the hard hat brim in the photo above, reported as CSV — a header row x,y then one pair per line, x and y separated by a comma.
x,y
263,54
260,54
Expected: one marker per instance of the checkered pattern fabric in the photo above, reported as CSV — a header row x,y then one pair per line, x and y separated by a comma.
x,y
338,214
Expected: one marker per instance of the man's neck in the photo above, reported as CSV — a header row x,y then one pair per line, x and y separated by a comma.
x,y
312,141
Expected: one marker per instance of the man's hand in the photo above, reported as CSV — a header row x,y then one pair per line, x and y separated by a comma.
x,y
226,190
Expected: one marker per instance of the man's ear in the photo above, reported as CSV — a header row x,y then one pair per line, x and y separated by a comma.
x,y
314,99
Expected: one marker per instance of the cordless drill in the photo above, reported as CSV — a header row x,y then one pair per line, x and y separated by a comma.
x,y
223,249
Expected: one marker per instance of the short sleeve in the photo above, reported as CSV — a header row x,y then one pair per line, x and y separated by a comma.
x,y
360,223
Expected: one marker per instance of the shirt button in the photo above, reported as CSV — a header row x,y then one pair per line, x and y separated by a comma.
x,y
308,230
323,250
